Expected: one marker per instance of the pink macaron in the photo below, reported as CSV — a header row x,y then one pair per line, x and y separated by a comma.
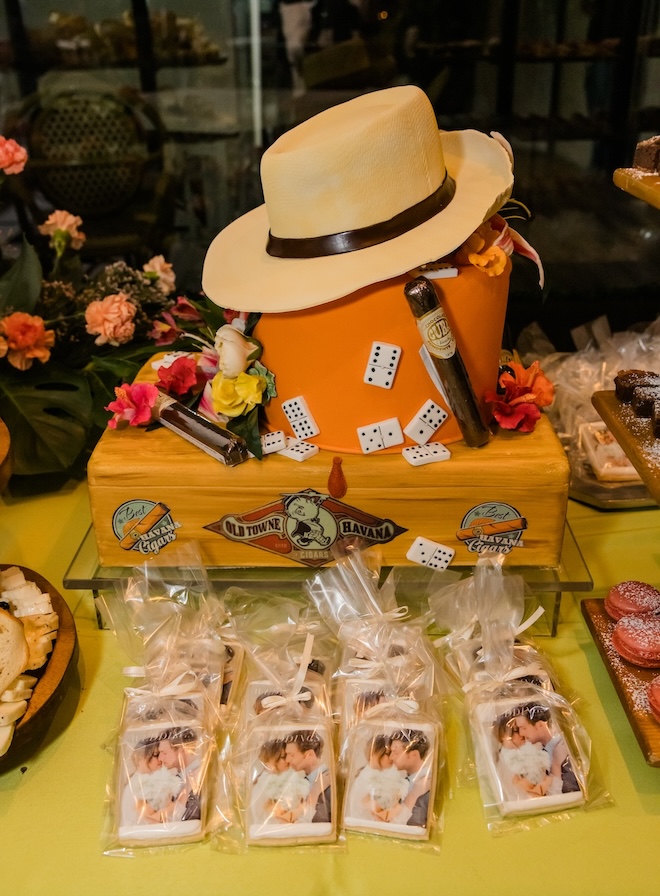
x,y
631,598
637,639
654,697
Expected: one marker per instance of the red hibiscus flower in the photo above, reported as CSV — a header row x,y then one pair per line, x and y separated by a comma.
x,y
526,391
181,376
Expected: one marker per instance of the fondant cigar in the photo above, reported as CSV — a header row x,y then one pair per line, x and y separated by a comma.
x,y
143,525
221,444
496,528
439,340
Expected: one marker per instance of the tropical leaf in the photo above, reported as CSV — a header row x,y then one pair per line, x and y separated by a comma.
x,y
20,287
248,428
103,374
48,412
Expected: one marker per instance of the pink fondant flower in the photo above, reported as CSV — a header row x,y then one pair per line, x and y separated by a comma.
x,y
24,339
12,156
111,319
62,228
133,404
161,271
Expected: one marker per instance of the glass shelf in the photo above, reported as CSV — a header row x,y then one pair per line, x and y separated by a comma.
x,y
545,584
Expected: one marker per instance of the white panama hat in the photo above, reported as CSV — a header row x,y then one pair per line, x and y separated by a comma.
x,y
360,193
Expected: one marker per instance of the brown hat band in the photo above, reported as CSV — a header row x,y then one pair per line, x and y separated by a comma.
x,y
363,237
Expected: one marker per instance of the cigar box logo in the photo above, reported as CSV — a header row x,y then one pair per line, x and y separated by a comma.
x,y
492,526
303,526
144,526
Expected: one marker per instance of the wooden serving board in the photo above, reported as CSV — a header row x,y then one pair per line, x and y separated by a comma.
x,y
642,186
630,682
49,691
635,437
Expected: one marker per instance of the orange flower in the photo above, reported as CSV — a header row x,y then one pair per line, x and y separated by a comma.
x,y
63,223
12,156
534,380
24,338
480,250
111,319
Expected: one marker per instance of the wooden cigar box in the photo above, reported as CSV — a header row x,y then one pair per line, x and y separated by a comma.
x,y
151,491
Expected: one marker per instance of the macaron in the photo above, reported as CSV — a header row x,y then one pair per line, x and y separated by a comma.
x,y
654,697
631,598
637,639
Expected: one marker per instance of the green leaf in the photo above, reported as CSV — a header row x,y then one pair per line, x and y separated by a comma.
x,y
247,427
48,412
103,374
20,287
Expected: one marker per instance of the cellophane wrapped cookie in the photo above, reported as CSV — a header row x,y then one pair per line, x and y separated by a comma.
x,y
165,775
531,751
160,786
395,758
283,757
388,700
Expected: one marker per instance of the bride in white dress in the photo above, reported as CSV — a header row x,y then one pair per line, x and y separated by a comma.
x,y
378,786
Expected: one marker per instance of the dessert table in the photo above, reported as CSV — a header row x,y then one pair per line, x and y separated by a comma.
x,y
51,806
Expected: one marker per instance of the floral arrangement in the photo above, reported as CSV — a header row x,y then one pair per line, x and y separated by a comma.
x,y
69,338
521,394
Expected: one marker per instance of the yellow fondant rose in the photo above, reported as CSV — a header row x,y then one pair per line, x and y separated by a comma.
x,y
233,396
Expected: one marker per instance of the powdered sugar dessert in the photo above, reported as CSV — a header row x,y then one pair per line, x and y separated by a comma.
x,y
632,598
637,639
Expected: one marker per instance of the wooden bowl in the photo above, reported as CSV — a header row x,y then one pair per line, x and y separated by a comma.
x,y
5,456
53,681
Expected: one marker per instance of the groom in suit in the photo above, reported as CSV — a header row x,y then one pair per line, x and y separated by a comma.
x,y
408,750
304,752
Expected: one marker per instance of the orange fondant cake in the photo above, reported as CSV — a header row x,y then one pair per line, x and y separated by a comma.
x,y
357,199
321,354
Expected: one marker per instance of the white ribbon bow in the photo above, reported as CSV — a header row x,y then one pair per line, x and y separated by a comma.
x,y
296,694
174,688
407,704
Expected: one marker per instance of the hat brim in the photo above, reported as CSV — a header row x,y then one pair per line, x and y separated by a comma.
x,y
239,274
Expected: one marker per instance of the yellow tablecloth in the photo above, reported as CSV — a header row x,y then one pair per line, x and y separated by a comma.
x,y
51,810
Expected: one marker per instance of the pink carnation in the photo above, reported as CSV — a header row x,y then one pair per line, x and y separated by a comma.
x,y
132,404
163,272
64,222
12,156
111,319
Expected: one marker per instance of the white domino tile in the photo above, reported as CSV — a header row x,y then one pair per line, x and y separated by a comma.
x,y
430,553
299,451
376,436
273,441
382,365
425,422
304,426
420,455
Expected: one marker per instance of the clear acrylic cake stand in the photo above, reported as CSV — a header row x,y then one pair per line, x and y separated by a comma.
x,y
545,583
